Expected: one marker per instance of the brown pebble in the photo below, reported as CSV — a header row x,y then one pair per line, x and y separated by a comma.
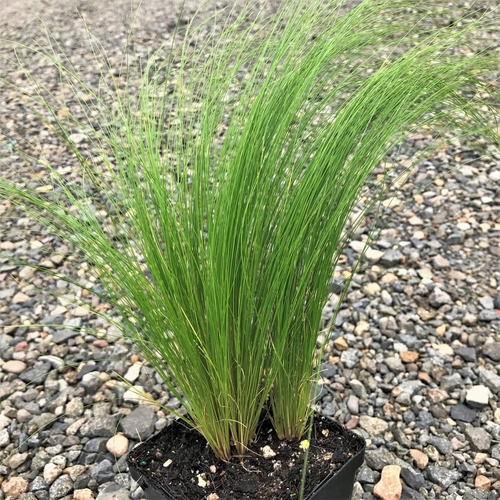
x,y
389,487
409,356
84,494
15,487
14,366
341,344
482,483
421,459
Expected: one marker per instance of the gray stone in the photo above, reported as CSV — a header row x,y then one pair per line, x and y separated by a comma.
x,y
113,492
349,358
401,438
467,353
103,426
439,298
492,350
61,336
40,460
367,475
353,404
455,238
411,387
463,413
60,487
395,364
391,258
487,302
37,374
495,452
488,315
410,494
140,423
443,477
451,382
95,445
442,445
91,382
379,458
479,439
38,484
43,421
103,471
373,425
490,379
358,388
412,478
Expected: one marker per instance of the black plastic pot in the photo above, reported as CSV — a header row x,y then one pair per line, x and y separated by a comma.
x,y
336,486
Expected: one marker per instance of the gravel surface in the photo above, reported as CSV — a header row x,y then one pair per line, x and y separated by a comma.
x,y
413,363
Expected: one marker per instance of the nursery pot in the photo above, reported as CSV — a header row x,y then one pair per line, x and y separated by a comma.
x,y
337,485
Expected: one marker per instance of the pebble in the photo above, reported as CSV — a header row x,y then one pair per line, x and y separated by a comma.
x,y
409,356
20,298
37,374
14,366
17,459
389,487
83,494
140,423
412,478
373,425
478,437
421,459
341,344
391,258
492,350
463,413
15,487
113,492
439,298
51,472
482,483
372,288
104,426
488,315
60,487
478,396
133,395
349,358
117,445
442,476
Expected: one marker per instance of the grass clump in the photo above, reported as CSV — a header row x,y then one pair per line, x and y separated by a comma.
x,y
225,205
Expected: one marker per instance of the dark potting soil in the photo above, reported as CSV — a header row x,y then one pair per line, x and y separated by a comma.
x,y
179,461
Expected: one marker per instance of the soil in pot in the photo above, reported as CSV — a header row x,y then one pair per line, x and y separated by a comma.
x,y
179,461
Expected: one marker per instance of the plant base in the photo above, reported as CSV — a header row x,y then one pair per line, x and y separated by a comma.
x,y
177,464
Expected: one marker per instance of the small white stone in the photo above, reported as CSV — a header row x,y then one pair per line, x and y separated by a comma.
x,y
117,445
134,394
133,372
4,438
267,452
478,396
4,422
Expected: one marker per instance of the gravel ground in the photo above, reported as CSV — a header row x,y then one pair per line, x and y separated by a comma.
x,y
414,359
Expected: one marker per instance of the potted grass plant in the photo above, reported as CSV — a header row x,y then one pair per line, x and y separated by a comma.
x,y
228,186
